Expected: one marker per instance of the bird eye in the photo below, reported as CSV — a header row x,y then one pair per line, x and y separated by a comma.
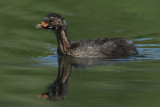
x,y
50,20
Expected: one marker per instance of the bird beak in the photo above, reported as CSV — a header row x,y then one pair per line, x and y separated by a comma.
x,y
42,25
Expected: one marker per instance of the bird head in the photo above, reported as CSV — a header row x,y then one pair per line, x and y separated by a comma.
x,y
53,21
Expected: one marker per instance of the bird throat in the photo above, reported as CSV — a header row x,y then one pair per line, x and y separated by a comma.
x,y
64,44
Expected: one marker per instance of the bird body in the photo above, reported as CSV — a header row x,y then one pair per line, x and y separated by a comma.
x,y
103,48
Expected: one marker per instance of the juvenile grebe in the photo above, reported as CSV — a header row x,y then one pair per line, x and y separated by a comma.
x,y
106,47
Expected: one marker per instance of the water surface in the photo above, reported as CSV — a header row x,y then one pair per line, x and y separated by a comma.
x,y
30,66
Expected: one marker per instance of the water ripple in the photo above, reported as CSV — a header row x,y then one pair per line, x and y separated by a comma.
x,y
152,52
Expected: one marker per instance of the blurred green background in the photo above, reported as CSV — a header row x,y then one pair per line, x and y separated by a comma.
x,y
134,84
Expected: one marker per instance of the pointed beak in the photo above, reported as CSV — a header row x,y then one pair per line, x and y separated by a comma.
x,y
42,25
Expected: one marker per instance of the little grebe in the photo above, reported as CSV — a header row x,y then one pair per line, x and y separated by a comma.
x,y
106,47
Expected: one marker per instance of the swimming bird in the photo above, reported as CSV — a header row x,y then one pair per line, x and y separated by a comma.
x,y
105,47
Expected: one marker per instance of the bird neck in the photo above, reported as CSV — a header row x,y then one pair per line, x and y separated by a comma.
x,y
64,43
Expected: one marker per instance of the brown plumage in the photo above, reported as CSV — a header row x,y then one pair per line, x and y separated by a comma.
x,y
106,47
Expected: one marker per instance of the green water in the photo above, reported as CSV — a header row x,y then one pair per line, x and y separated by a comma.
x,y
29,61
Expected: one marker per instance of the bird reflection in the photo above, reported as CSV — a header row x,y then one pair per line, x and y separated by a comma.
x,y
58,89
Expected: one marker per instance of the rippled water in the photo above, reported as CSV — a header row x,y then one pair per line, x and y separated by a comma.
x,y
31,71
146,52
